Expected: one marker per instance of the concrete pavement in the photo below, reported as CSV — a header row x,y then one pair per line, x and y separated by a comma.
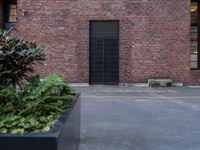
x,y
117,118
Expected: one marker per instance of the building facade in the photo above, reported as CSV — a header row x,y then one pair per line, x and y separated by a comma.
x,y
111,41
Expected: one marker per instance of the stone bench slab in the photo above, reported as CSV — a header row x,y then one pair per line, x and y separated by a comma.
x,y
160,83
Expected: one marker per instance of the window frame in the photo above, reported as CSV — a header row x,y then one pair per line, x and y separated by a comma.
x,y
6,23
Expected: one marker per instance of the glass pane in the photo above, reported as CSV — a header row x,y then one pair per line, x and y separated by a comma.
x,y
194,12
194,35
12,13
194,65
13,6
194,58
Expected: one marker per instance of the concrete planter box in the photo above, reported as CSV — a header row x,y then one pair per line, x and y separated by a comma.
x,y
65,134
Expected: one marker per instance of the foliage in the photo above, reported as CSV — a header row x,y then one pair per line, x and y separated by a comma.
x,y
38,103
35,108
17,57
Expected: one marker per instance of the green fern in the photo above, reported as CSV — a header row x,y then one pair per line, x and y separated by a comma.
x,y
36,108
44,87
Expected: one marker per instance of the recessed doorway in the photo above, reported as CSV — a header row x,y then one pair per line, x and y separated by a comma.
x,y
104,52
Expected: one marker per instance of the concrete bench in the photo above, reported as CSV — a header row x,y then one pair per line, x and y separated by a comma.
x,y
160,83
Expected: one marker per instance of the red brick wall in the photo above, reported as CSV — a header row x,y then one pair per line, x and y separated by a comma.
x,y
154,36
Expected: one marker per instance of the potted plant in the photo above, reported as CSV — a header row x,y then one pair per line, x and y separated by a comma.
x,y
35,113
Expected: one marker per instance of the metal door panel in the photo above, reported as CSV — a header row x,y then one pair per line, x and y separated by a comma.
x,y
104,52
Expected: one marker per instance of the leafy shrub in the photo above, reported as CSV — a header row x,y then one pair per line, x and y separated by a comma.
x,y
38,104
35,108
17,57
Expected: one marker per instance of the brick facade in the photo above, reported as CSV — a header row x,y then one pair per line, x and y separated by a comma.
x,y
154,37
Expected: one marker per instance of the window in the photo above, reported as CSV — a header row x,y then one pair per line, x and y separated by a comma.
x,y
10,13
195,32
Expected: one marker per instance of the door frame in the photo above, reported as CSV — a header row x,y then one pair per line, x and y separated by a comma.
x,y
118,52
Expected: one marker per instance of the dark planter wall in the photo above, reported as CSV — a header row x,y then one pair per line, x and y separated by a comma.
x,y
64,136
69,137
154,36
1,13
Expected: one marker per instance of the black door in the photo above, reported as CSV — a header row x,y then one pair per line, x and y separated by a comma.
x,y
104,52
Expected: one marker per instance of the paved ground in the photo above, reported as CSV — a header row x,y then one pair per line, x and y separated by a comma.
x,y
115,118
